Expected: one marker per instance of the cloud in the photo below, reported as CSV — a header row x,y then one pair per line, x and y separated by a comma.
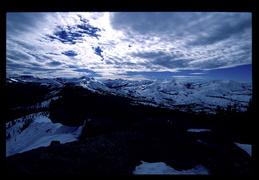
x,y
138,77
188,78
54,63
224,26
202,27
197,73
17,23
152,23
197,37
111,44
163,59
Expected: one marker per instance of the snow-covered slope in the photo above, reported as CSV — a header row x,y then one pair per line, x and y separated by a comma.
x,y
36,130
160,168
199,96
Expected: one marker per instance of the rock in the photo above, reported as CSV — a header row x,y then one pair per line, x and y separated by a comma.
x,y
53,143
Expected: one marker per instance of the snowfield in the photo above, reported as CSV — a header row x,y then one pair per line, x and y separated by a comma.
x,y
39,133
160,168
203,96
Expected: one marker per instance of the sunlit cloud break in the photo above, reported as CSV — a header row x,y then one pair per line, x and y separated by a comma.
x,y
114,44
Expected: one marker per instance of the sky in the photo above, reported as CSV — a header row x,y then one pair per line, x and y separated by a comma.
x,y
186,46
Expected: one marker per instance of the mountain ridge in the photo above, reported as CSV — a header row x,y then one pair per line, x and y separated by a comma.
x,y
204,95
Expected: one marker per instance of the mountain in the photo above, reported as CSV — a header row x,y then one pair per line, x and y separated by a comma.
x,y
197,96
85,126
204,96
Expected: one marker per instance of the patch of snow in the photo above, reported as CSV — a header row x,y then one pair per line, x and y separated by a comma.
x,y
162,168
202,142
78,132
197,130
245,147
46,103
13,79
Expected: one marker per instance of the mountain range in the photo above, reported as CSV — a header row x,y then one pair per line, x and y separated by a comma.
x,y
85,126
204,96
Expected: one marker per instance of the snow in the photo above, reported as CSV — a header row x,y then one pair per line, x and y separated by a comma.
x,y
197,130
161,168
39,133
208,94
203,96
202,142
14,80
245,147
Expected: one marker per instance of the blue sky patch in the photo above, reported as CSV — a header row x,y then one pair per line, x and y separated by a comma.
x,y
73,34
98,51
70,53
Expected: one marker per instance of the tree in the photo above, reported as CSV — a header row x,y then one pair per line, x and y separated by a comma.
x,y
251,106
220,110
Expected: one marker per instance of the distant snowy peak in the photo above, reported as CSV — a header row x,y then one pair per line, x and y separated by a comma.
x,y
122,82
26,78
116,83
198,96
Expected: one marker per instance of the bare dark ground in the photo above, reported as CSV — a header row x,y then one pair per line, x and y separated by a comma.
x,y
119,152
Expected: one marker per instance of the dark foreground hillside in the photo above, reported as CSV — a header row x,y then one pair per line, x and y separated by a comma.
x,y
118,136
150,140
